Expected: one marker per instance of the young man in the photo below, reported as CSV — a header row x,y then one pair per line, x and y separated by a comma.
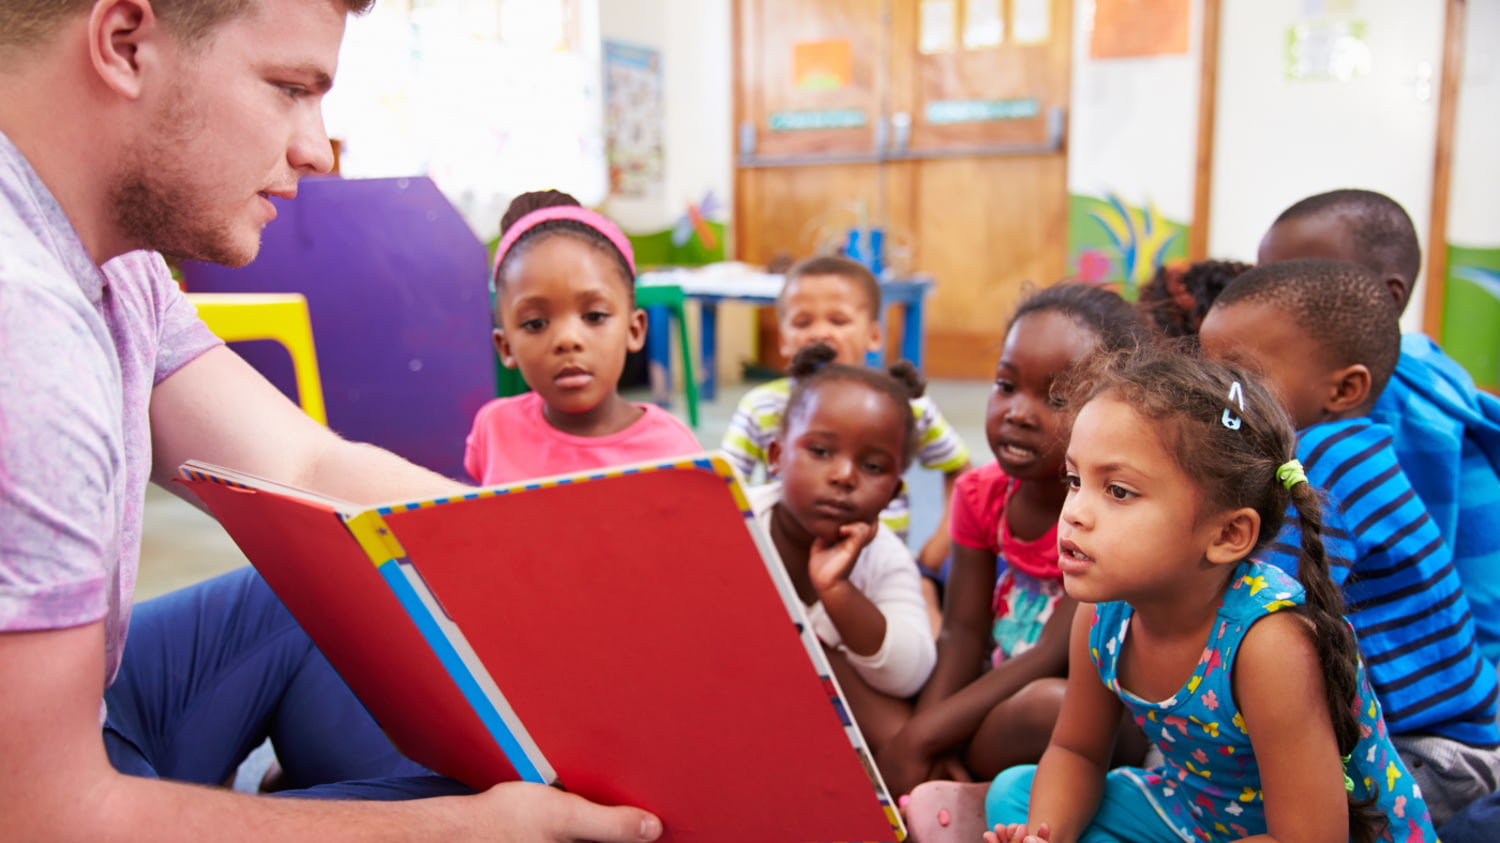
x,y
127,125
1325,339
1446,433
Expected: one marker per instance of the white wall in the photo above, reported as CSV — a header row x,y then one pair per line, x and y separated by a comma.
x,y
694,38
1474,200
1278,140
1133,129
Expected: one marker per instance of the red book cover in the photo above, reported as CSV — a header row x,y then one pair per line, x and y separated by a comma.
x,y
628,635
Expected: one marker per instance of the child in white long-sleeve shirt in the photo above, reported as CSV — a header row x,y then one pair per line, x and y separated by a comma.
x,y
845,439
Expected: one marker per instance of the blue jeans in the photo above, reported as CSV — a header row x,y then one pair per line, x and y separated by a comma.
x,y
210,671
1478,823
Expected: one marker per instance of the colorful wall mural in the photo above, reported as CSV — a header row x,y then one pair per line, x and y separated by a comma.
x,y
1471,313
1115,243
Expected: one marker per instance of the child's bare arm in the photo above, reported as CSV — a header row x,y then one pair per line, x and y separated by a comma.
x,y
967,617
940,543
1070,778
860,623
1279,687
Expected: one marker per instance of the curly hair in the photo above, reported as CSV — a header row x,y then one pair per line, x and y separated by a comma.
x,y
813,367
1185,396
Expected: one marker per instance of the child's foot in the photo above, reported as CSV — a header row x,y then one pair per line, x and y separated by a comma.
x,y
938,812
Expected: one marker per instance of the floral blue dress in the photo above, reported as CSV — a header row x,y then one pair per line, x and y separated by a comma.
x,y
1209,786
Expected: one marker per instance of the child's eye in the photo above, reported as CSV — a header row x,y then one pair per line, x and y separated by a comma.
x,y
1004,386
818,450
595,317
875,468
1119,493
1072,481
532,326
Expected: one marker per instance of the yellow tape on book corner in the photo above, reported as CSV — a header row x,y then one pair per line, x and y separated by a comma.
x,y
375,538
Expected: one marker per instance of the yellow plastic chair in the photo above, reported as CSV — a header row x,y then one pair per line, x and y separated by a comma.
x,y
235,317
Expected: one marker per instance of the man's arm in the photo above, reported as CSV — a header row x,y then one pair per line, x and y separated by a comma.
x,y
220,410
56,782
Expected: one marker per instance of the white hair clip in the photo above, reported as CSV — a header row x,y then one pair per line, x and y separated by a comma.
x,y
1237,395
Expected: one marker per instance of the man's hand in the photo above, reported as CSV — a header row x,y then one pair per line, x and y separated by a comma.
x,y
524,812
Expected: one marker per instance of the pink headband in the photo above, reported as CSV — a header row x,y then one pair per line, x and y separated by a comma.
x,y
597,222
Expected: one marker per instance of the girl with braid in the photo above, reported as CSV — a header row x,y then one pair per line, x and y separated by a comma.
x,y
1248,680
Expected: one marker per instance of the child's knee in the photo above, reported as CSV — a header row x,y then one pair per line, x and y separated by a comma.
x,y
1036,705
1009,797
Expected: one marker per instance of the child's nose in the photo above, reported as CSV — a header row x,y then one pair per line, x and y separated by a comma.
x,y
1074,511
569,335
842,472
1020,410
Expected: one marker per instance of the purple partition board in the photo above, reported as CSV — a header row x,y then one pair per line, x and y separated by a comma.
x,y
395,284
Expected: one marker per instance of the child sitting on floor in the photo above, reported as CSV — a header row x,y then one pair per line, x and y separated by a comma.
x,y
1248,681
1446,433
1325,336
846,436
836,301
565,314
1005,608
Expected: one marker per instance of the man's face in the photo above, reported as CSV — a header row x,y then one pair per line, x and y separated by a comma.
x,y
239,120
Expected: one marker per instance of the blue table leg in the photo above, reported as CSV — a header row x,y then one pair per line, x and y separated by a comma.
x,y
708,330
659,354
912,333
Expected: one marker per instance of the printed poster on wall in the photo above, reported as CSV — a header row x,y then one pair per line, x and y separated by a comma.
x,y
1137,28
822,65
635,120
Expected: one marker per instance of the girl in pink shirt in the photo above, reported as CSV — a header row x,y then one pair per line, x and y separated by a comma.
x,y
565,314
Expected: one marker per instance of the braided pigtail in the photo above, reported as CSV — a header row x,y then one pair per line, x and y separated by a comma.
x,y
1338,652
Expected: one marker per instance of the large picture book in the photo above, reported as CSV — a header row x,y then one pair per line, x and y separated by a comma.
x,y
629,635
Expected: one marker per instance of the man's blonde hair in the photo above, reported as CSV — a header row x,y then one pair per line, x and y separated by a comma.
x,y
28,23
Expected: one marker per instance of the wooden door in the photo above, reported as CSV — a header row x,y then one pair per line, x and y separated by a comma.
x,y
961,158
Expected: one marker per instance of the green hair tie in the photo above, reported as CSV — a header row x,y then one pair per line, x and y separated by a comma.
x,y
1348,782
1290,474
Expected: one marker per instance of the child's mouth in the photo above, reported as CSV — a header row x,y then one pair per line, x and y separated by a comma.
x,y
1016,453
572,378
1071,559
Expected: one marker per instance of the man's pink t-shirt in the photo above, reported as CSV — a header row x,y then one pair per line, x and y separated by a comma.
x,y
512,441
81,349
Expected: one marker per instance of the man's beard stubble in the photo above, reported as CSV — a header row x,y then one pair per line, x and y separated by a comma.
x,y
153,202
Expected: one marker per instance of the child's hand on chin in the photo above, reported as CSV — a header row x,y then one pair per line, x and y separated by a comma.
x,y
1019,833
830,563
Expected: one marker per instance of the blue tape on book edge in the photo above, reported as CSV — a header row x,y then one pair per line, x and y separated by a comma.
x,y
460,673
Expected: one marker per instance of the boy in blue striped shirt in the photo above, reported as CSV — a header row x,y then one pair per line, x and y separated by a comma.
x,y
1446,433
1324,335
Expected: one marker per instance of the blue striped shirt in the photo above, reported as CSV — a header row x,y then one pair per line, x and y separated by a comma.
x,y
1447,437
1402,592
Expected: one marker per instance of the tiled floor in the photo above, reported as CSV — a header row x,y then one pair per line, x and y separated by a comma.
x,y
181,545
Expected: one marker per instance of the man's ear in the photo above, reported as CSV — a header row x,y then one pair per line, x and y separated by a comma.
x,y
1350,388
773,457
123,34
1235,534
502,347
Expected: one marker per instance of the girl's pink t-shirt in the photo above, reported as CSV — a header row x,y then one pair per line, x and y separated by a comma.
x,y
512,441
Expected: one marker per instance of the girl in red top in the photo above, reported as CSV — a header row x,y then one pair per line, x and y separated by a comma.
x,y
1003,652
